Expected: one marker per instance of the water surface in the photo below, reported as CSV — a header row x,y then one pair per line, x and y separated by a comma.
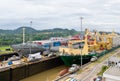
x,y
47,75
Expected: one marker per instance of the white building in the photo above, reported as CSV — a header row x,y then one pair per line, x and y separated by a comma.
x,y
112,74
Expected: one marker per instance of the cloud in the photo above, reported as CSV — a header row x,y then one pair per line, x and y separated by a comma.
x,y
99,14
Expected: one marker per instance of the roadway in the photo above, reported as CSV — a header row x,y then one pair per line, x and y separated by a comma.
x,y
90,70
90,73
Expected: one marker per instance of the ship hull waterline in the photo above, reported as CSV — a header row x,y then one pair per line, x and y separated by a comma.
x,y
76,59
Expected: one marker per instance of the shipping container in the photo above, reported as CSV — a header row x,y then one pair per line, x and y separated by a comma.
x,y
56,44
47,46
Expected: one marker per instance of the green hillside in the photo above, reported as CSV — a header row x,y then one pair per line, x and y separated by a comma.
x,y
9,37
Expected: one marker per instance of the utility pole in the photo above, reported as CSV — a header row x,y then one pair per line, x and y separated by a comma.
x,y
31,31
30,37
81,18
23,35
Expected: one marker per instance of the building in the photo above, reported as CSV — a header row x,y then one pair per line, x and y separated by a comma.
x,y
112,74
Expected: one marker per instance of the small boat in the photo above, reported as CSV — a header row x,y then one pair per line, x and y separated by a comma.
x,y
63,72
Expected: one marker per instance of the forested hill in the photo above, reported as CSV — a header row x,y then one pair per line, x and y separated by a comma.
x,y
29,30
18,30
8,37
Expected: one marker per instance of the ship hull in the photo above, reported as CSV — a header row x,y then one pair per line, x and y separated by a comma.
x,y
76,59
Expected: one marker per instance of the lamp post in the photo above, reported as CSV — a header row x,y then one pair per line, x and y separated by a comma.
x,y
31,38
23,35
81,18
31,31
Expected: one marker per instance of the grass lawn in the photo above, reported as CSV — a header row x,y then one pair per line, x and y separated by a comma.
x,y
104,68
3,49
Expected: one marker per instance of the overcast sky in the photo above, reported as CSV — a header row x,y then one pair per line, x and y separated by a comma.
x,y
48,14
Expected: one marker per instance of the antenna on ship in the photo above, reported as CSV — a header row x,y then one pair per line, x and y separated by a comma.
x,y
81,18
23,35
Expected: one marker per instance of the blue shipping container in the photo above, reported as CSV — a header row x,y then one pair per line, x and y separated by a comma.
x,y
56,43
47,46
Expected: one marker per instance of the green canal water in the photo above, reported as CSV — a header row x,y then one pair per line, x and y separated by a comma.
x,y
47,75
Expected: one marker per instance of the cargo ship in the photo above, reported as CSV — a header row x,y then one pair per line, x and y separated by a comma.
x,y
24,49
92,45
30,47
53,43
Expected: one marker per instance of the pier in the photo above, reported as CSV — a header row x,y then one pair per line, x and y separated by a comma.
x,y
21,71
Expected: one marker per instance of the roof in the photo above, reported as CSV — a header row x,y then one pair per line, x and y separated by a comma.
x,y
112,73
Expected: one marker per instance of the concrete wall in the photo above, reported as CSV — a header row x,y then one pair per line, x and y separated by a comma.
x,y
5,75
35,68
26,70
18,73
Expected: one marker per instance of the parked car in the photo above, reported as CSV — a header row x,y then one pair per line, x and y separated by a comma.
x,y
73,79
99,78
70,79
94,58
73,68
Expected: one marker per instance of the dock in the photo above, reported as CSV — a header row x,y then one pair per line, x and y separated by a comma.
x,y
25,70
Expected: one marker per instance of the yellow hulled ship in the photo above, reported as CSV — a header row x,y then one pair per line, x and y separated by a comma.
x,y
93,44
